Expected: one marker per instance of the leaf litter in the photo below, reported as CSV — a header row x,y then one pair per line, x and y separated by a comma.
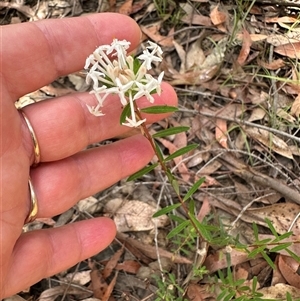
x,y
238,88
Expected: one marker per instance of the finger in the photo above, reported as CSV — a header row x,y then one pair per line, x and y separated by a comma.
x,y
59,185
47,49
43,253
64,126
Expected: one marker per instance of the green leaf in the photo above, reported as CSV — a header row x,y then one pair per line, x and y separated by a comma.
x,y
166,210
125,113
175,185
181,151
268,260
136,65
176,218
159,153
281,247
193,189
159,109
271,227
255,231
142,172
178,229
170,131
283,236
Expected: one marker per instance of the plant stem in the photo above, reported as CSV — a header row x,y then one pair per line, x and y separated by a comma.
x,y
148,136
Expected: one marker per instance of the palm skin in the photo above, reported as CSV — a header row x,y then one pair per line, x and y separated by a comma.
x,y
33,55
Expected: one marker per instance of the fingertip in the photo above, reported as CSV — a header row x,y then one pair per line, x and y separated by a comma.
x,y
100,232
168,95
126,28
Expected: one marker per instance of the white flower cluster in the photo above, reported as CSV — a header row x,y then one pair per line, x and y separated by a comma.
x,y
125,76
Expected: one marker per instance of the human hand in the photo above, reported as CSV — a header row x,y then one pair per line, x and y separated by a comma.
x,y
33,55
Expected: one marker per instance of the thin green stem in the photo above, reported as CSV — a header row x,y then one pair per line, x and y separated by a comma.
x,y
148,136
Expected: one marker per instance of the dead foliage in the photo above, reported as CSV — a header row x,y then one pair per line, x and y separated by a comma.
x,y
237,78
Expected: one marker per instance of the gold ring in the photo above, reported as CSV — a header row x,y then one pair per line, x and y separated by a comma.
x,y
36,147
34,206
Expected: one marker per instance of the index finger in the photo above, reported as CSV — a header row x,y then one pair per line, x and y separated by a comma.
x,y
38,52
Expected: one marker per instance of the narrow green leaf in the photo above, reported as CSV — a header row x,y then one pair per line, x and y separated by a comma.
x,y
176,218
178,229
271,227
159,109
159,153
125,113
255,231
181,151
256,251
142,172
283,236
175,185
201,227
254,284
193,189
281,247
268,260
166,210
170,131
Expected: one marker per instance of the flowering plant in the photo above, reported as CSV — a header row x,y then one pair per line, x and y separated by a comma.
x,y
125,76
111,70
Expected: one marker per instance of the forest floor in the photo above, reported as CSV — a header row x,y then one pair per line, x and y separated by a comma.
x,y
235,68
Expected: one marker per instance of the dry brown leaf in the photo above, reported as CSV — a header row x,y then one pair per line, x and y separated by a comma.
x,y
281,215
289,267
279,290
126,8
218,260
291,50
196,293
111,264
195,56
295,109
284,115
217,55
217,17
285,19
192,17
89,205
197,19
205,209
269,140
221,132
51,294
152,31
279,39
182,56
257,114
129,266
107,295
254,37
80,278
149,251
274,65
245,50
134,215
98,283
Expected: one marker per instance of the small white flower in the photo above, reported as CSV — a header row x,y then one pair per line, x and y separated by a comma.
x,y
95,110
123,76
120,48
121,90
148,58
133,123
155,48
